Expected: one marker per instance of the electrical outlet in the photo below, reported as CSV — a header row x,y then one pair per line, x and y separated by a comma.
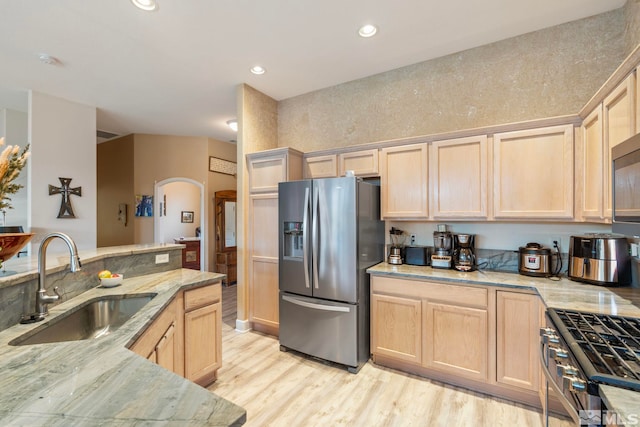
x,y
555,239
162,258
413,239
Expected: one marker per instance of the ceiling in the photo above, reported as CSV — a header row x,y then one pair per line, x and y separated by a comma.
x,y
175,70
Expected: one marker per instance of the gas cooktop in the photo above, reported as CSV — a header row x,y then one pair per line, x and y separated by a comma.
x,y
606,346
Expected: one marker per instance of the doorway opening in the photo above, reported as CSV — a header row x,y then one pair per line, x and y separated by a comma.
x,y
181,213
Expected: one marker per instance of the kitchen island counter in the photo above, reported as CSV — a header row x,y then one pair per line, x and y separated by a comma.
x,y
100,381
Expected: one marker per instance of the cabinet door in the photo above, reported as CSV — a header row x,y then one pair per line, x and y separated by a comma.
x,y
618,110
456,340
590,164
263,274
362,163
458,178
533,173
396,328
266,173
166,348
203,352
320,167
518,325
403,183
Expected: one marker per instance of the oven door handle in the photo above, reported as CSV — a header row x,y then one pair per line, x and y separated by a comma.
x,y
571,410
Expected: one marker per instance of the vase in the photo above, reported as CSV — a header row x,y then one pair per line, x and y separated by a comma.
x,y
12,243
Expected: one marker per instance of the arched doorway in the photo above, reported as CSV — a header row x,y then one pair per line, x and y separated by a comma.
x,y
181,213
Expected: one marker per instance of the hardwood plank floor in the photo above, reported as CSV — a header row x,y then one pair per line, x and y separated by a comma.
x,y
288,389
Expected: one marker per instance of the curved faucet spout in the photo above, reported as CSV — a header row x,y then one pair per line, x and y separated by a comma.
x,y
42,299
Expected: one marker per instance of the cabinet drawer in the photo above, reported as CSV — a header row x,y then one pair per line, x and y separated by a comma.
x,y
199,297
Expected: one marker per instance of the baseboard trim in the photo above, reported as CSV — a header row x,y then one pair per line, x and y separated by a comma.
x,y
243,326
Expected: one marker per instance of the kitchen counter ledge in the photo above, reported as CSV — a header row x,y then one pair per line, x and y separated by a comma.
x,y
101,382
563,293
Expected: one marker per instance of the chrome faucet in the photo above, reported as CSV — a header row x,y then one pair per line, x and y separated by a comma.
x,y
42,299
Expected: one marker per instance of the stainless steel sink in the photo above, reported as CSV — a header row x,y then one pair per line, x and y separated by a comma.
x,y
93,319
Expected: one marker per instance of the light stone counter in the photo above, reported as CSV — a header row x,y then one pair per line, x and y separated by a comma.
x,y
563,293
101,382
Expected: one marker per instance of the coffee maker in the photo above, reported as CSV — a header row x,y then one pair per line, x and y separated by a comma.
x,y
443,248
463,257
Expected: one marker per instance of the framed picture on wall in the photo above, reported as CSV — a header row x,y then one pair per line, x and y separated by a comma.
x,y
187,216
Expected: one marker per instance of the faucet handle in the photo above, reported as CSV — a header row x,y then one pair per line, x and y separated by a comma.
x,y
56,290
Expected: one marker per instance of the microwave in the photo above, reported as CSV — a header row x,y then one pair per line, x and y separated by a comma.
x,y
625,187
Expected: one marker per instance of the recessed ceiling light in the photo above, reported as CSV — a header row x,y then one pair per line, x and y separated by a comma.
x,y
367,30
148,5
258,70
48,59
233,124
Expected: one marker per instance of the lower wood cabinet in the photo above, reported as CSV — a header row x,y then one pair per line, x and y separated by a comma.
x,y
518,338
395,314
456,340
479,337
186,338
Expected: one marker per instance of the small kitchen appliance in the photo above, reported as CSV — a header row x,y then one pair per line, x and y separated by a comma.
x,y
534,260
397,246
443,248
417,255
463,257
600,259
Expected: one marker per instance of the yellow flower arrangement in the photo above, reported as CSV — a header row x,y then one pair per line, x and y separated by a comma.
x,y
12,160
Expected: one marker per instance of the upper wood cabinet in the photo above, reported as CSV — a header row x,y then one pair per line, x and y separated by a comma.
x,y
320,167
404,182
590,166
533,173
458,178
268,168
619,123
362,163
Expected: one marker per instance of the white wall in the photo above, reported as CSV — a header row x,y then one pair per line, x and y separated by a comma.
x,y
501,235
181,196
63,144
14,126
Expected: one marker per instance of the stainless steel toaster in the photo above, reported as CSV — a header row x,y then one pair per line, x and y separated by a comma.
x,y
600,259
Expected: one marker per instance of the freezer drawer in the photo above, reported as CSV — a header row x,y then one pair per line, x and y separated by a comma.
x,y
320,328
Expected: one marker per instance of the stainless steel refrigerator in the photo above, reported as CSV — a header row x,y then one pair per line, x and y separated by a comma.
x,y
330,233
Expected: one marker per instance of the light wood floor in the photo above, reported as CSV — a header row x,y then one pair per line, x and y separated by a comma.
x,y
287,389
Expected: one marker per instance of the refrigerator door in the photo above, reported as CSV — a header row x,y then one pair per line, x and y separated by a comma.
x,y
324,329
294,243
334,236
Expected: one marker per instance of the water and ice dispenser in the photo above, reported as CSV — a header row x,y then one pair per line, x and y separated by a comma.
x,y
293,239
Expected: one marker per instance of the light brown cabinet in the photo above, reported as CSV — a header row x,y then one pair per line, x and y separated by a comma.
x,y
619,118
268,168
227,263
363,163
320,166
458,178
284,164
186,337
518,325
590,165
533,173
479,337
404,182
159,342
398,327
202,333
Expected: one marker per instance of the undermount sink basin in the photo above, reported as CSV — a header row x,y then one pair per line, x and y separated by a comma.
x,y
93,319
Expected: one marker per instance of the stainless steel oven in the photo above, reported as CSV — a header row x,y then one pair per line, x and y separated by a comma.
x,y
579,351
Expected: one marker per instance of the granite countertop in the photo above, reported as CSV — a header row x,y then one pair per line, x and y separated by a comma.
x,y
563,293
101,382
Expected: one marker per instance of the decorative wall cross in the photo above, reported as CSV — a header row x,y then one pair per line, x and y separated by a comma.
x,y
66,211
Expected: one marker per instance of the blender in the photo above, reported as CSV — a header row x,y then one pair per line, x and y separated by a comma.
x,y
397,241
443,248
